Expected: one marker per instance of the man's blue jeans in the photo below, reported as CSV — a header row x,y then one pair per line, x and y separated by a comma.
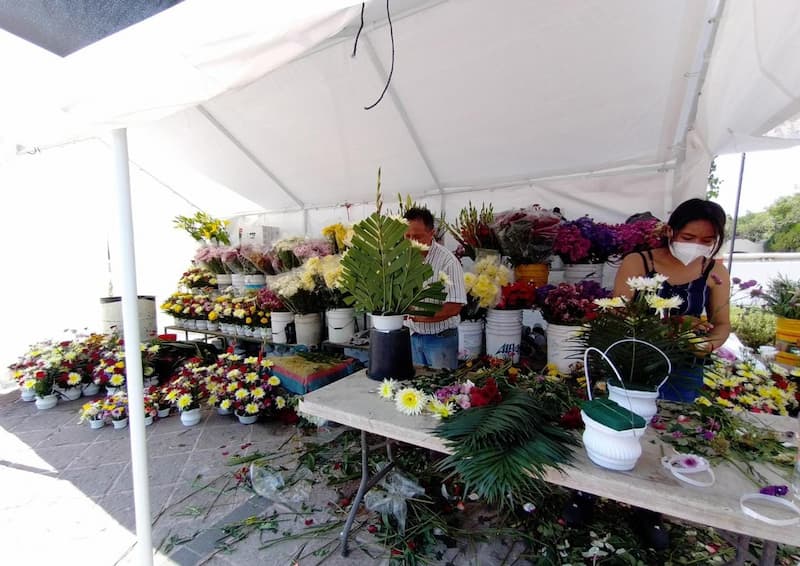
x,y
438,351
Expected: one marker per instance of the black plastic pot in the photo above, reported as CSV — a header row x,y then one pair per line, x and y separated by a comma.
x,y
390,355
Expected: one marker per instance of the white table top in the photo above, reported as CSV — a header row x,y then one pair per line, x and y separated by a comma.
x,y
353,401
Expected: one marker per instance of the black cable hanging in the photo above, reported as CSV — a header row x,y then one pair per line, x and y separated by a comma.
x,y
391,68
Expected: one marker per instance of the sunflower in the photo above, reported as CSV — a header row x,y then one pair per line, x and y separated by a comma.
x,y
410,401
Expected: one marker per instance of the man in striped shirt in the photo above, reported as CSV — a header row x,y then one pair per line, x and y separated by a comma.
x,y
434,339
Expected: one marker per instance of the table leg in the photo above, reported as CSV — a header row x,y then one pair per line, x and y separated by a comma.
x,y
366,484
768,552
742,547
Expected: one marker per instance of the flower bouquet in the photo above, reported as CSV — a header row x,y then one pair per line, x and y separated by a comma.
x,y
116,407
569,303
302,290
585,241
517,296
210,258
526,235
269,300
339,236
229,255
197,277
284,258
473,231
640,235
151,405
483,287
187,390
204,228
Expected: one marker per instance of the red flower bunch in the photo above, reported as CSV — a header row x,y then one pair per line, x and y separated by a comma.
x,y
640,235
519,295
569,303
489,394
571,419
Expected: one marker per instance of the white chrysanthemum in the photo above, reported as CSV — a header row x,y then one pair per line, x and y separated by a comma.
x,y
444,279
410,401
386,389
651,284
613,303
419,245
441,410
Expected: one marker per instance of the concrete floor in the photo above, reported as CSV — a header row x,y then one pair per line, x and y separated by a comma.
x,y
66,491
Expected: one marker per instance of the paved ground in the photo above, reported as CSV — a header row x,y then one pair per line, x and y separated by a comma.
x,y
66,494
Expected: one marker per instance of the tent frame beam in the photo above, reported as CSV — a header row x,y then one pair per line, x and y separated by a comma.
x,y
249,154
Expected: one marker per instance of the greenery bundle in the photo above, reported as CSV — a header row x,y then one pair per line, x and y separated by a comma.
x,y
384,273
503,451
783,296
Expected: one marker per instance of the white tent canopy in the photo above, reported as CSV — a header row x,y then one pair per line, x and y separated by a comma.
x,y
591,106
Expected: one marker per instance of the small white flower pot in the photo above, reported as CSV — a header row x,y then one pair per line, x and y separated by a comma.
x,y
121,423
387,323
96,423
609,448
190,417
91,389
163,413
247,419
643,403
148,420
46,402
71,393
223,412
27,395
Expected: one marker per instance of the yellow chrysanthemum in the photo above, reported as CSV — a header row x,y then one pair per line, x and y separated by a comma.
x,y
258,393
73,379
234,374
267,363
703,401
274,381
184,401
29,383
251,377
410,401
241,394
251,408
212,400
172,395
280,402
225,404
386,389
116,380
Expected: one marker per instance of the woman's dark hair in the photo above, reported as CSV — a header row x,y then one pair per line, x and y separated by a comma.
x,y
417,213
699,209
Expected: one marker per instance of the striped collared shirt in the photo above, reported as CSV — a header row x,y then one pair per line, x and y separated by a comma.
x,y
440,259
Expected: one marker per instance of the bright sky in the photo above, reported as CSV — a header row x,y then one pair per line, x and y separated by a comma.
x,y
768,175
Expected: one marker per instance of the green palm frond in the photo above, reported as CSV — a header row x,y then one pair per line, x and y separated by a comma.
x,y
502,452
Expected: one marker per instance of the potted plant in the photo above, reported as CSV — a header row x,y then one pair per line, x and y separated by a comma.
x,y
339,315
187,390
642,339
280,315
584,246
117,409
526,236
782,297
94,413
565,307
150,406
46,397
385,275
303,291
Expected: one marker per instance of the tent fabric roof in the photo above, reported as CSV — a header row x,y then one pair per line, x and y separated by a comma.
x,y
484,96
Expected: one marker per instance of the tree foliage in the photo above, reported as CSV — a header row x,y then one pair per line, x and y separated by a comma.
x,y
714,182
779,225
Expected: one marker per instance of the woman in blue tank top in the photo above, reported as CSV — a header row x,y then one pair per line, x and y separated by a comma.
x,y
695,231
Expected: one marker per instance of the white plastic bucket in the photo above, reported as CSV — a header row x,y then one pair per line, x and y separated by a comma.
x,y
111,313
223,281
254,281
609,448
279,321
576,272
387,323
470,339
504,333
341,324
237,280
560,346
308,328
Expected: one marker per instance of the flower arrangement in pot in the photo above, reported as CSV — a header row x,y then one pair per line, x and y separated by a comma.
x,y
504,321
473,232
151,405
339,315
187,390
637,335
116,407
93,413
526,236
483,286
584,242
384,274
197,277
565,307
303,291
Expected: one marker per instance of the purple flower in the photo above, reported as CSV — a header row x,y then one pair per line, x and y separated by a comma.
x,y
689,462
735,280
677,434
708,435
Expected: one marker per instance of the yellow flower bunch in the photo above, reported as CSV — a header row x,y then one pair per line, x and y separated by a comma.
x,y
339,235
485,283
745,386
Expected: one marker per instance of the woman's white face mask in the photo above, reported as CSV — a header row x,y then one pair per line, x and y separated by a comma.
x,y
687,252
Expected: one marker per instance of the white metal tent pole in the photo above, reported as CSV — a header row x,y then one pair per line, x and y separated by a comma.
x,y
736,212
133,357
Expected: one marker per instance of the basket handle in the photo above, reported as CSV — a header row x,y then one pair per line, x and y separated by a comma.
x,y
613,368
653,346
